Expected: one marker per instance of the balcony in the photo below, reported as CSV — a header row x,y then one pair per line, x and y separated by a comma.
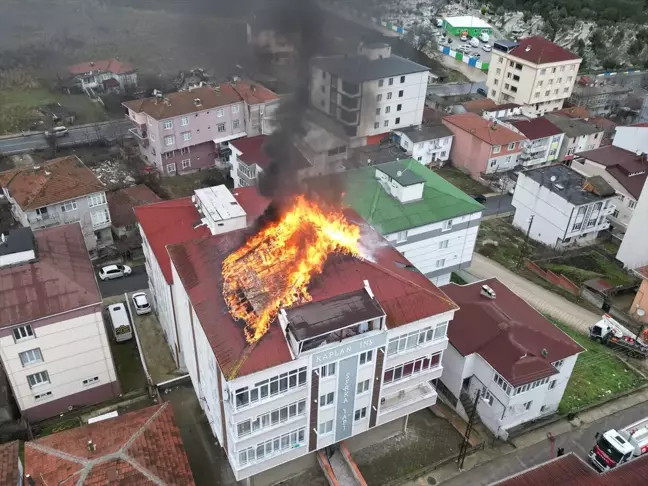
x,y
348,118
406,401
350,89
349,103
609,210
140,135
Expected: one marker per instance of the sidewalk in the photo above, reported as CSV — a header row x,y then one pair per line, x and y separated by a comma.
x,y
541,299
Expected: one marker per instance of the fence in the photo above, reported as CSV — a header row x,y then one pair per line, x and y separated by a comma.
x,y
557,279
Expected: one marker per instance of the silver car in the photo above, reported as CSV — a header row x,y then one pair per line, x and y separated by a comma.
x,y
141,303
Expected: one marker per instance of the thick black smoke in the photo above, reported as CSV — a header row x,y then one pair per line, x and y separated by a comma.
x,y
297,19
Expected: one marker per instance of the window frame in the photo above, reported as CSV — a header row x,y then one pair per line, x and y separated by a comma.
x,y
168,124
40,374
31,361
169,140
29,333
184,121
186,136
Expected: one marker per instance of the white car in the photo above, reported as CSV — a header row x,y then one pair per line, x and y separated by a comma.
x,y
463,38
114,271
464,48
487,48
141,303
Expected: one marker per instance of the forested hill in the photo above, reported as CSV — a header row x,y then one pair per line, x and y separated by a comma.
x,y
600,11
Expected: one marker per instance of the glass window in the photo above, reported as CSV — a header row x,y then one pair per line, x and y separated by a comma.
x,y
31,357
243,428
381,82
412,339
440,331
186,136
169,140
301,407
392,347
96,199
168,124
184,121
38,379
23,332
220,127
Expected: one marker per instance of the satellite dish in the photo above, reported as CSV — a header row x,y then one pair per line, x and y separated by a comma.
x,y
641,312
553,178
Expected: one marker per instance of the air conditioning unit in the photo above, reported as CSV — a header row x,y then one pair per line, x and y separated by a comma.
x,y
226,395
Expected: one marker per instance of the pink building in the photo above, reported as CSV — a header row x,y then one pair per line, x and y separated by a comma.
x,y
482,146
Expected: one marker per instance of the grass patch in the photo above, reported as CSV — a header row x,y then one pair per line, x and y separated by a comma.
x,y
499,240
129,367
185,185
598,374
588,264
462,181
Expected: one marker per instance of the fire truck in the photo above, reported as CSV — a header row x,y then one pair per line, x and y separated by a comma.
x,y
618,447
609,332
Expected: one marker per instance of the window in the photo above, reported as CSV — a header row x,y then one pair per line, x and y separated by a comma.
x,y
96,199
496,82
221,127
184,121
387,109
184,151
511,146
100,217
327,399
402,79
498,71
415,367
220,112
376,125
366,357
325,428
363,387
632,204
270,419
440,263
389,95
391,81
235,109
542,72
507,86
559,80
550,81
381,83
548,92
379,97
386,124
569,79
186,163
514,89
556,91
398,107
566,90
552,384
493,163
360,414
400,93
270,387
377,111
169,140
186,136
558,364
527,405
397,121
37,379
31,357
447,225
440,331
516,77
401,236
487,396
537,94
90,381
577,226
443,244
150,121
493,92
500,60
502,383
327,370
168,124
171,168
169,155
152,137
68,206
41,396
497,149
615,214
236,124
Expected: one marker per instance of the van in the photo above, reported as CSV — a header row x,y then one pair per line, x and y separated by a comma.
x,y
57,132
439,22
484,37
119,322
474,42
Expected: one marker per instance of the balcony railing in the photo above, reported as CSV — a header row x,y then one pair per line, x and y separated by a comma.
x,y
406,397
351,89
610,209
140,135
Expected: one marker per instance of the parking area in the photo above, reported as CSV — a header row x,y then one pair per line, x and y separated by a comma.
x,y
484,56
157,354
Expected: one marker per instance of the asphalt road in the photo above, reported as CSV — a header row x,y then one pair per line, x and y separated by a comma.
x,y
455,89
88,133
498,204
580,441
137,280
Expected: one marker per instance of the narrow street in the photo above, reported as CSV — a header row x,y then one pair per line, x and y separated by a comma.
x,y
137,280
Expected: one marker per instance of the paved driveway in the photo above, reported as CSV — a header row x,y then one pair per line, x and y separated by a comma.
x,y
135,281
496,205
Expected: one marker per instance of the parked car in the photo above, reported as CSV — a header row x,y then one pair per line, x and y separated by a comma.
x,y
487,48
114,271
480,198
474,42
463,48
482,91
141,303
57,132
476,55
463,38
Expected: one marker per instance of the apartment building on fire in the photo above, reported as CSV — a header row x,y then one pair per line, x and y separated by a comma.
x,y
361,356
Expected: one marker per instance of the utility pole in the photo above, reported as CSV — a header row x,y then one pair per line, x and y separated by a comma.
x,y
464,445
526,241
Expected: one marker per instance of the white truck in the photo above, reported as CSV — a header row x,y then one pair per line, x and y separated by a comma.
x,y
618,447
484,37
611,333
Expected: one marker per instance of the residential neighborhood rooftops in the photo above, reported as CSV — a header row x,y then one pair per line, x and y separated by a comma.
x,y
467,21
573,112
358,68
516,340
539,50
107,65
139,448
487,131
253,93
252,150
535,128
28,291
362,191
426,132
572,127
628,168
405,295
9,473
17,240
122,202
569,184
52,182
479,106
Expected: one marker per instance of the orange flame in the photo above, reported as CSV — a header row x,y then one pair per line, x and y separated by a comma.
x,y
274,267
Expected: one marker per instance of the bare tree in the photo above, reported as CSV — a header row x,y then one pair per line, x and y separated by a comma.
x,y
421,36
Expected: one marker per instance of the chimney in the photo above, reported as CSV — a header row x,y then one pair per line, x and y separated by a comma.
x,y
527,48
486,291
91,63
167,101
197,102
92,446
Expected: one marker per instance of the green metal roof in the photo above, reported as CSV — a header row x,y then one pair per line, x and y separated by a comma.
x,y
441,200
399,171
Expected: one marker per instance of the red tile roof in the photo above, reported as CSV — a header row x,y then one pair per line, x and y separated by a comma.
x,y
579,112
108,65
539,50
60,280
489,132
253,203
254,93
643,124
479,106
9,463
507,332
55,181
405,295
122,202
139,448
252,150
643,272
535,128
629,169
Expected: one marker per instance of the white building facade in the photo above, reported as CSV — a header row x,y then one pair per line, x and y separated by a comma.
x,y
428,145
633,251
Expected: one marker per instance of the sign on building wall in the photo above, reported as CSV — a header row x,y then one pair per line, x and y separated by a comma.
x,y
347,376
350,347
